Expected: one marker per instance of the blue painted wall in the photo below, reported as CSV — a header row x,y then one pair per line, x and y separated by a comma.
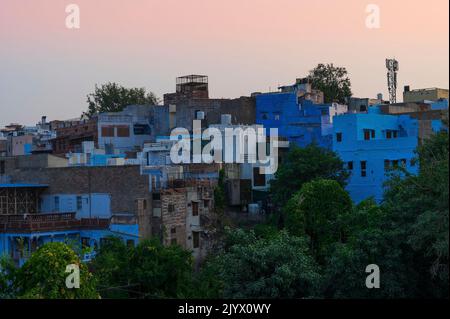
x,y
100,205
354,148
301,122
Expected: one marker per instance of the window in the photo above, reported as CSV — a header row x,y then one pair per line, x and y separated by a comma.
x,y
2,167
366,135
258,179
194,209
391,134
156,196
395,164
363,168
277,117
79,203
206,203
144,204
350,166
141,129
264,116
108,131
171,208
387,164
369,134
173,230
123,131
339,137
56,202
196,239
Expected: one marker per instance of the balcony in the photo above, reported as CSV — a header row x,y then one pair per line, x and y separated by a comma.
x,y
49,222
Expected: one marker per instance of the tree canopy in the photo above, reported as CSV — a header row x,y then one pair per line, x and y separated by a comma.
x,y
43,276
112,97
333,81
302,165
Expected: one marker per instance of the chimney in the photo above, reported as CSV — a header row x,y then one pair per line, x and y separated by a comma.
x,y
380,96
43,120
407,88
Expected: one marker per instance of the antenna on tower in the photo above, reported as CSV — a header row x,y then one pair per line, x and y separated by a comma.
x,y
392,66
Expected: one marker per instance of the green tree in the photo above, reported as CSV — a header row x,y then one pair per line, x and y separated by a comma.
x,y
302,165
8,273
112,269
112,97
419,215
149,270
317,211
275,267
162,272
332,81
43,276
368,242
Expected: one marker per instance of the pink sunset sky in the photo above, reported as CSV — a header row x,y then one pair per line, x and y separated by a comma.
x,y
242,45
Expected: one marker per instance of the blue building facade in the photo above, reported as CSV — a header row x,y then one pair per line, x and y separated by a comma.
x,y
370,145
29,219
299,120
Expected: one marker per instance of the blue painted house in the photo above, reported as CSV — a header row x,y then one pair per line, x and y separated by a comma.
x,y
371,144
299,120
29,219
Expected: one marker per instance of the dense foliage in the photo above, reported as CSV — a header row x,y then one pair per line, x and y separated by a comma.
x,y
302,165
112,97
252,267
149,270
43,276
332,81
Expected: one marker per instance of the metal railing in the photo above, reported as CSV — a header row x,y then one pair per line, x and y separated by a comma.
x,y
49,222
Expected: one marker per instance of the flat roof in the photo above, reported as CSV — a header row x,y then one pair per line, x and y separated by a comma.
x,y
22,185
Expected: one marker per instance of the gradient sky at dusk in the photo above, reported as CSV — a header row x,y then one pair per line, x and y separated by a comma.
x,y
242,45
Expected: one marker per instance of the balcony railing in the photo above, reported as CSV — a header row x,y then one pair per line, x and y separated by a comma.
x,y
49,222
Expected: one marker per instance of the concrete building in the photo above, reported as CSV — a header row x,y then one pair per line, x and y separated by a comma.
x,y
130,129
72,133
18,145
361,105
3,145
421,95
298,119
28,221
187,216
430,115
371,144
127,188
191,102
91,156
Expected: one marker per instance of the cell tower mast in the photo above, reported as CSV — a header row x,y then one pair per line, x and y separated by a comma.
x,y
392,66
